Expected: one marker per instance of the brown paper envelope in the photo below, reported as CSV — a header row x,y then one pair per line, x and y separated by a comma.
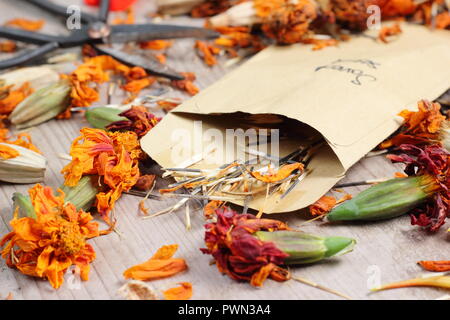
x,y
350,94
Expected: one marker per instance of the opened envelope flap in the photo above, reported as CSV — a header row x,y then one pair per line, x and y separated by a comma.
x,y
361,84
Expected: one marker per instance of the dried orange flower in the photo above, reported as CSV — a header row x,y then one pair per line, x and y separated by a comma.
x,y
156,44
388,31
285,21
139,121
187,84
183,292
25,24
420,127
161,265
47,245
443,20
435,266
113,156
207,52
161,57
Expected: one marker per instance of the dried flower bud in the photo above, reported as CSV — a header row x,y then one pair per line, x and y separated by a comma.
x,y
83,194
101,117
27,167
37,77
42,105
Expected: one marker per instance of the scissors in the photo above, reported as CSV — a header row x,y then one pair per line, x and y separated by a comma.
x,y
95,31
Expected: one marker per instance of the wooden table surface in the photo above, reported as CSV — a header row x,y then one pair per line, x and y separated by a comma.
x,y
386,251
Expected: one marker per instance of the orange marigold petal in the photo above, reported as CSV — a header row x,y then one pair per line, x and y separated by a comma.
x,y
435,266
183,292
281,174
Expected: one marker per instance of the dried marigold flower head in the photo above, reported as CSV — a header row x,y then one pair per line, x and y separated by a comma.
x,y
288,23
47,245
420,127
432,165
187,84
139,121
113,156
250,249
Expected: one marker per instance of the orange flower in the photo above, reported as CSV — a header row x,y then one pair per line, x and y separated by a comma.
x,y
284,21
10,97
388,31
47,245
167,105
210,209
183,292
420,127
25,24
443,20
187,84
111,155
161,265
435,266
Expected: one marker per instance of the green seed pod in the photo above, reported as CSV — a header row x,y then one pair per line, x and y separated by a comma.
x,y
384,200
83,194
24,204
306,248
42,105
100,117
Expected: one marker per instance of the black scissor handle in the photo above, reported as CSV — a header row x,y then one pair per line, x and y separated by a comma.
x,y
28,36
28,55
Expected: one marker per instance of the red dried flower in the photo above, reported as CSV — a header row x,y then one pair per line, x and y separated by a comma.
x,y
140,121
241,255
433,164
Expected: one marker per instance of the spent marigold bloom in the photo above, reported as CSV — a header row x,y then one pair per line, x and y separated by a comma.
x,y
420,127
46,245
290,22
250,249
433,164
139,121
113,156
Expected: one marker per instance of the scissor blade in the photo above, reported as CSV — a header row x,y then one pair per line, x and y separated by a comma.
x,y
144,32
152,65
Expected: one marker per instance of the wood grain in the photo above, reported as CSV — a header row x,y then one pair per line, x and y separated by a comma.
x,y
389,248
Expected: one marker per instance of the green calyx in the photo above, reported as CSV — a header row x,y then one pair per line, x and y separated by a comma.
x,y
385,200
100,117
305,248
24,205
83,194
